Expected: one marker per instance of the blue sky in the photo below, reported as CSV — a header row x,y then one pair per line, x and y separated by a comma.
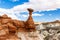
x,y
10,3
44,11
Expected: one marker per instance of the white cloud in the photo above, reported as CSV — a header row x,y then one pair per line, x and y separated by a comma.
x,y
8,12
36,14
24,15
37,5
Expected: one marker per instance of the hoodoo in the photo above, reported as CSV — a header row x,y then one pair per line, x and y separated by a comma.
x,y
30,23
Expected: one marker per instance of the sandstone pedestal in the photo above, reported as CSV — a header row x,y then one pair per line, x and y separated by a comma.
x,y
30,23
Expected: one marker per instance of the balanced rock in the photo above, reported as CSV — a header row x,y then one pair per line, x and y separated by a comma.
x,y
30,22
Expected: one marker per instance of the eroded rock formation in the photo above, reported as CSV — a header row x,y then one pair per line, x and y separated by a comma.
x,y
10,26
30,23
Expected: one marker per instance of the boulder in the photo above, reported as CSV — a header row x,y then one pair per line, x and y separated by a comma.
x,y
5,17
11,27
5,21
4,34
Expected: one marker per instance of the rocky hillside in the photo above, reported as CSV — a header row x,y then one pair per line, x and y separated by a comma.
x,y
9,27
